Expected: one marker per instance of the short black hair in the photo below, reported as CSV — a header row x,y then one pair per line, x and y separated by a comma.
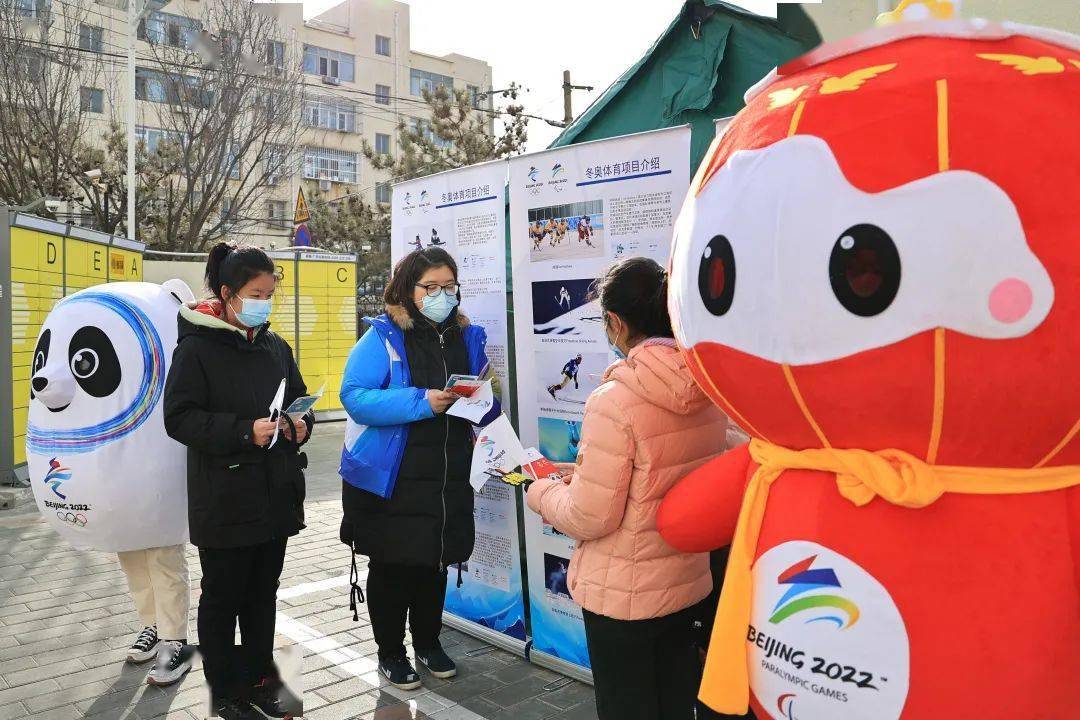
x,y
234,266
409,270
636,290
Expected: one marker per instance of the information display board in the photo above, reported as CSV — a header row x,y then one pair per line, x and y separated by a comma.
x,y
463,212
573,212
42,261
315,311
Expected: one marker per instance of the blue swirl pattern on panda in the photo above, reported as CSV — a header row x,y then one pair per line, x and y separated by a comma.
x,y
44,441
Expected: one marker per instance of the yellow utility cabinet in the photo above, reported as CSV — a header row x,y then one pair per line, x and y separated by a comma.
x,y
315,310
42,261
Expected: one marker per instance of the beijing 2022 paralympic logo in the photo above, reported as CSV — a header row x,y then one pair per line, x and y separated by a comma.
x,y
825,641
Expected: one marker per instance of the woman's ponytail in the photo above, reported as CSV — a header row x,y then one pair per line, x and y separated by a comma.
x,y
218,253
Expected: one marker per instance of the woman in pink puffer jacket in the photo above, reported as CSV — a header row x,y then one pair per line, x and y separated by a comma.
x,y
645,427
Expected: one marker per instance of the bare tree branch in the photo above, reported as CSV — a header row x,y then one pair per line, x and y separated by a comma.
x,y
235,118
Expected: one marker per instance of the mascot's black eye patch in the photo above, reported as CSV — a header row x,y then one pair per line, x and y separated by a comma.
x,y
41,356
716,276
864,270
93,361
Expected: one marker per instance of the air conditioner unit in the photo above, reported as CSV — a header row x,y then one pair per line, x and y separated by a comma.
x,y
324,185
331,80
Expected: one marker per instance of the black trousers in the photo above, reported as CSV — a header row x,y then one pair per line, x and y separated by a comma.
x,y
395,592
644,669
239,585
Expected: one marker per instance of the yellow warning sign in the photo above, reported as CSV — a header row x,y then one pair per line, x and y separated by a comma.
x,y
302,214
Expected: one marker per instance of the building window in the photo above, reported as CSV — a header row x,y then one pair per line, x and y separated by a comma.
x,y
151,138
420,80
231,162
166,29
329,63
227,218
277,213
158,87
382,143
330,114
91,100
382,94
275,54
149,85
32,8
382,192
276,159
91,38
382,45
331,164
424,129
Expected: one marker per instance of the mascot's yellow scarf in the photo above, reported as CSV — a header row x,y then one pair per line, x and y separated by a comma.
x,y
895,476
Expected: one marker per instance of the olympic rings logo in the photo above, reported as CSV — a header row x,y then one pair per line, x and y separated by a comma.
x,y
76,519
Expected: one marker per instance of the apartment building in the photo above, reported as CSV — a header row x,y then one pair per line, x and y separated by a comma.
x,y
361,77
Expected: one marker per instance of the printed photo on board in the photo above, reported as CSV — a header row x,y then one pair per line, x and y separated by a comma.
x,y
559,439
568,376
565,232
555,575
565,307
433,233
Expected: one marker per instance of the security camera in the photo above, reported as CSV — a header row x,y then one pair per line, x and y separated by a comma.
x,y
53,204
93,174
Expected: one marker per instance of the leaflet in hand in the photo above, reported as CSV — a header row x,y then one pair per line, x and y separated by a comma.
x,y
474,408
538,467
275,411
497,453
301,405
464,385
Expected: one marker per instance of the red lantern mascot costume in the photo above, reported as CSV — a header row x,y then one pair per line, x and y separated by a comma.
x,y
877,275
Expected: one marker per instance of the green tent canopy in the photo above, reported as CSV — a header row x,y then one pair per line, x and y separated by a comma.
x,y
695,72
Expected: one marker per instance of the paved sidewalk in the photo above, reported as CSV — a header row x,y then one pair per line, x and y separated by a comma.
x,y
66,621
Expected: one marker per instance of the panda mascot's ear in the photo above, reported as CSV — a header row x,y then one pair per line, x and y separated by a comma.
x,y
179,290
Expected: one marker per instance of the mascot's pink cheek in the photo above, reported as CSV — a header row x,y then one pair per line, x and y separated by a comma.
x,y
1010,300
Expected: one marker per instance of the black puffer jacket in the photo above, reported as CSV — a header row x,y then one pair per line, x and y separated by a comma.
x,y
428,520
220,382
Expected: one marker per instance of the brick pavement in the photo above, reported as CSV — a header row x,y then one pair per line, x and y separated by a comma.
x,y
66,622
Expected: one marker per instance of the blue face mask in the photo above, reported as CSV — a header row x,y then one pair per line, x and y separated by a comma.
x,y
438,308
254,312
619,354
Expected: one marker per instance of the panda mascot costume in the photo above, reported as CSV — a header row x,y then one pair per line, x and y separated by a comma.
x,y
104,473
877,274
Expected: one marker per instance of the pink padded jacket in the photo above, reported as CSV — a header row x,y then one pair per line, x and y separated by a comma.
x,y
645,427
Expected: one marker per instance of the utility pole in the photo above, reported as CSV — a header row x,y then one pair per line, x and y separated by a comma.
x,y
132,28
567,89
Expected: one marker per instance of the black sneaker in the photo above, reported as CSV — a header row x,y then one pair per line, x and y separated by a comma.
x,y
551,392
173,662
145,646
274,699
400,673
235,709
437,662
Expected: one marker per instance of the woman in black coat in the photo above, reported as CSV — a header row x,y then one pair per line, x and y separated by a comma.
x,y
244,499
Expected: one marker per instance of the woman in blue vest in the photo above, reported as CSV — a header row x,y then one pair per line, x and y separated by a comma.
x,y
405,466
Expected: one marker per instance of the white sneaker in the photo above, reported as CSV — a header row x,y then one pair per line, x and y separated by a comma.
x,y
145,646
173,662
